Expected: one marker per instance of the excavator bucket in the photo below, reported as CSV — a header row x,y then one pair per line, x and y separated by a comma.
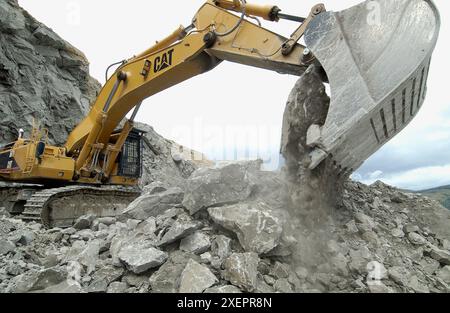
x,y
377,58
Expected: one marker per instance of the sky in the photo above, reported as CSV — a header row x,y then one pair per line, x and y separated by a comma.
x,y
235,112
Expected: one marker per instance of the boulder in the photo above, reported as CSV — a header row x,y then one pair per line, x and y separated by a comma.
x,y
417,239
439,255
241,269
6,246
140,259
181,228
221,247
282,285
104,277
167,278
196,278
444,274
400,275
197,243
154,204
256,226
117,287
37,280
84,222
224,184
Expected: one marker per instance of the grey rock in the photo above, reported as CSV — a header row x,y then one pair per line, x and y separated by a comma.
x,y
444,274
351,227
417,286
241,270
104,277
181,228
411,229
167,278
135,280
223,184
359,260
140,259
429,265
117,287
152,205
84,222
377,271
280,270
196,278
221,247
35,80
400,275
379,287
197,243
223,289
4,212
256,226
108,221
6,246
154,188
37,280
282,285
398,233
417,239
364,222
439,255
64,287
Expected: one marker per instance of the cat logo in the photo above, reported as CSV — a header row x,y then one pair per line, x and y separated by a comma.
x,y
164,61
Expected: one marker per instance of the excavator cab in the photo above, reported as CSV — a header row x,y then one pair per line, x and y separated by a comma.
x,y
130,160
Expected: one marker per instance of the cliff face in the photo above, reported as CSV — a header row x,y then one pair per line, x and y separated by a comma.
x,y
41,76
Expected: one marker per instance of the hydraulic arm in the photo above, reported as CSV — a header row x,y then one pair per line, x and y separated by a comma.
x,y
215,35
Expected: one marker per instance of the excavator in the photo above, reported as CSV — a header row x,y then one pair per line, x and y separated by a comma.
x,y
375,56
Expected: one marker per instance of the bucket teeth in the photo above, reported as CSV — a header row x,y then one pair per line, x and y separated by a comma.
x,y
377,60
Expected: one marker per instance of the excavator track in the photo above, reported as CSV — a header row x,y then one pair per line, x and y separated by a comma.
x,y
60,207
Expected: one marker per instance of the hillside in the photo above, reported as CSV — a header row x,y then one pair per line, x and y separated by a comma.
x,y
440,194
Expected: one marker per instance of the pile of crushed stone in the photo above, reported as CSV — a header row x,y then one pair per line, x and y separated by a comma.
x,y
230,231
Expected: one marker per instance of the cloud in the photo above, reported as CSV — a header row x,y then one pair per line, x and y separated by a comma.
x,y
416,179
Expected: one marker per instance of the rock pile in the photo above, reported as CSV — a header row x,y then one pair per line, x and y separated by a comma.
x,y
236,240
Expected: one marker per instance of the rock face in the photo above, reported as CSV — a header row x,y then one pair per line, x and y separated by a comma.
x,y
41,76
